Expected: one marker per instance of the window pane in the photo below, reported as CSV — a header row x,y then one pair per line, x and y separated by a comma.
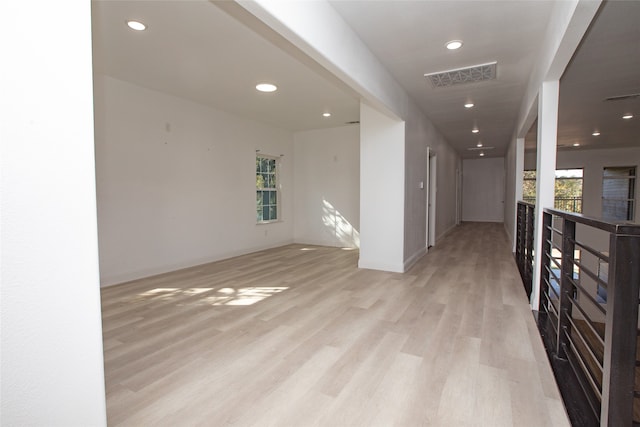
x,y
618,193
266,192
622,172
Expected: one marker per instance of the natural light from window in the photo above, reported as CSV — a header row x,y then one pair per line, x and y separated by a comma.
x,y
241,296
339,226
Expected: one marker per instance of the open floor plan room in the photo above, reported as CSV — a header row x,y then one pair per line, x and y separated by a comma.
x,y
299,336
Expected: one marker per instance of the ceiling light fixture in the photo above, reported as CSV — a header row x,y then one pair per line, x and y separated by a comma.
x,y
482,154
454,44
596,133
475,130
627,116
266,87
479,144
468,105
136,25
576,144
326,114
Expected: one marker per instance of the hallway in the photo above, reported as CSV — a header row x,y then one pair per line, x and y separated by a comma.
x,y
299,336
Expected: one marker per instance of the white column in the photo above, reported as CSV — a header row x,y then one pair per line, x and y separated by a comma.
x,y
519,170
51,341
546,167
381,191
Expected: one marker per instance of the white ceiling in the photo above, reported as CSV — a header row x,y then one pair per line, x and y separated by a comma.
x,y
195,50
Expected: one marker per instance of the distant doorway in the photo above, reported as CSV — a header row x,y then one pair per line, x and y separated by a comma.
x,y
431,199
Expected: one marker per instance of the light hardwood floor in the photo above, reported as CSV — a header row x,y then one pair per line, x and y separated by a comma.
x,y
299,336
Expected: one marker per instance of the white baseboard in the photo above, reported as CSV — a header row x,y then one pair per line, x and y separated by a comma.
x,y
118,279
409,262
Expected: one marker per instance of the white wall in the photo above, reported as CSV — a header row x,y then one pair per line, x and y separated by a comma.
x,y
483,189
593,162
420,134
513,165
382,176
342,53
51,341
176,182
448,163
327,187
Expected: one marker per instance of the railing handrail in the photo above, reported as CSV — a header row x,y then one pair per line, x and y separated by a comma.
x,y
522,202
615,227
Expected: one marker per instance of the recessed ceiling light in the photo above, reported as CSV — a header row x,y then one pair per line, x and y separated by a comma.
x,y
627,116
596,133
475,130
266,87
482,154
479,144
326,114
468,105
454,44
136,25
576,144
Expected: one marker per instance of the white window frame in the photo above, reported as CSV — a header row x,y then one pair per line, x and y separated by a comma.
x,y
260,189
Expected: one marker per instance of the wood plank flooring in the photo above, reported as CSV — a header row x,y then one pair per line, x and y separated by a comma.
x,y
299,336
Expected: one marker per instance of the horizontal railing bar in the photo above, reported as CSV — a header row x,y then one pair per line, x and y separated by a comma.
x,y
554,311
555,230
589,297
553,303
585,370
586,344
595,406
591,274
556,263
554,245
523,203
620,228
557,295
576,304
589,249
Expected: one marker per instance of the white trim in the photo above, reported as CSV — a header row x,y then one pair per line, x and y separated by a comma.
x,y
410,262
119,279
447,231
393,268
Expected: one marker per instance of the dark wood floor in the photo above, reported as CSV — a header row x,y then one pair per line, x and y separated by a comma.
x,y
299,336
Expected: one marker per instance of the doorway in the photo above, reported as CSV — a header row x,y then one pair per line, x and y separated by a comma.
x,y
431,199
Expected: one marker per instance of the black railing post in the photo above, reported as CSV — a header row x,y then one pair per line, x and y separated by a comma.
x,y
547,220
519,237
529,247
621,331
566,288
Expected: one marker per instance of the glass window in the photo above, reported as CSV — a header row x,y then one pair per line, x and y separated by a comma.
x,y
618,193
266,189
568,189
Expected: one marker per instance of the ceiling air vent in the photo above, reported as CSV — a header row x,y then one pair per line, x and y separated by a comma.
x,y
354,122
623,97
473,74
